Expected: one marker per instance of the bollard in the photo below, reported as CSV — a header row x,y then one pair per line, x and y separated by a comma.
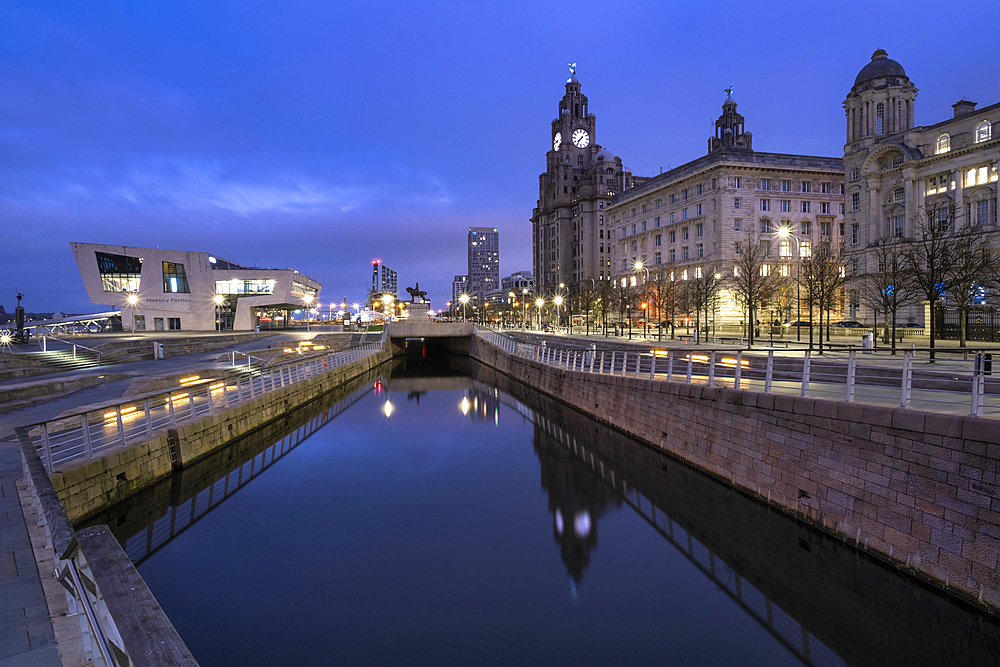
x,y
805,374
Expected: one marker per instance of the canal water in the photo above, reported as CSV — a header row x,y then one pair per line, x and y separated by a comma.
x,y
442,514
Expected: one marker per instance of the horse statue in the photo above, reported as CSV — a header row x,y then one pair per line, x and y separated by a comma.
x,y
416,293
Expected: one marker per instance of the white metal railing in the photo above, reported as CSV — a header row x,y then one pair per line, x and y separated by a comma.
x,y
43,345
83,434
836,378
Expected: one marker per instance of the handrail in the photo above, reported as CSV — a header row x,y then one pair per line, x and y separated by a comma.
x,y
249,357
81,434
43,346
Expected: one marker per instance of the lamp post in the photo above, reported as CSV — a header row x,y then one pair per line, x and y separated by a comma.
x,y
218,312
450,314
524,304
510,304
132,299
785,232
387,305
465,300
558,301
308,298
539,302
645,320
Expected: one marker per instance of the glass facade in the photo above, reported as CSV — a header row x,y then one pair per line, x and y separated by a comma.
x,y
245,286
300,290
174,278
119,273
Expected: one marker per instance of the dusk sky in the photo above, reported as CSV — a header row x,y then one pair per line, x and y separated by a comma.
x,y
322,135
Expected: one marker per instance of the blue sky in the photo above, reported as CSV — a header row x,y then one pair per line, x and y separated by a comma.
x,y
322,135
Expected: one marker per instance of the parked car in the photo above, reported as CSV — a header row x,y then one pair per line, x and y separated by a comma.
x,y
848,324
648,325
798,323
910,325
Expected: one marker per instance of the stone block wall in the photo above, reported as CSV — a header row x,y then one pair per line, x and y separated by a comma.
x,y
89,486
920,488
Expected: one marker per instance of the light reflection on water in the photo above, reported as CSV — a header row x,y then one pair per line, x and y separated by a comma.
x,y
413,528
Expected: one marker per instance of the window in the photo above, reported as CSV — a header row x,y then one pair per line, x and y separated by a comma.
x,y
786,206
737,224
805,228
879,117
643,225
765,204
824,208
673,236
699,250
158,324
807,186
786,186
983,131
765,226
684,253
643,208
897,161
658,202
737,202
855,174
824,229
119,273
765,184
656,258
897,226
657,239
805,249
174,278
943,144
657,221
174,323
842,210
684,214
854,233
684,193
737,247
765,248
673,199
672,255
600,206
699,188
684,233
699,230
841,227
699,209
824,188
784,270
784,248
671,218
245,286
979,212
806,206
738,182
898,194
855,201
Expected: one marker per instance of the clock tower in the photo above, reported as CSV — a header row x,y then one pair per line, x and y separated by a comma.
x,y
571,241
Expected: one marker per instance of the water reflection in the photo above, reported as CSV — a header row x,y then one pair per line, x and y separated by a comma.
x,y
825,603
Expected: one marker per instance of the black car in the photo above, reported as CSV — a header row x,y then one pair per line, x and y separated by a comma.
x,y
848,324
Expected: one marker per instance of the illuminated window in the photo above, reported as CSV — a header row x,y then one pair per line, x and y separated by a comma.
x,y
943,144
174,278
784,270
983,131
805,249
765,270
697,272
784,248
119,273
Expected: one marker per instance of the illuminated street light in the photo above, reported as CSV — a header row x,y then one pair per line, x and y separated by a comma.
x,y
132,299
464,299
558,301
539,302
218,314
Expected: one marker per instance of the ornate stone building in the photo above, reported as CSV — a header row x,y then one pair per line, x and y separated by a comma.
x,y
898,173
570,239
705,211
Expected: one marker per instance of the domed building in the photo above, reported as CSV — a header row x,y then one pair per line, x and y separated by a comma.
x,y
902,178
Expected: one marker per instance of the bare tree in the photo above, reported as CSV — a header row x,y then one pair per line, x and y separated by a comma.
x,y
821,278
665,298
970,266
703,289
754,278
586,298
930,255
884,284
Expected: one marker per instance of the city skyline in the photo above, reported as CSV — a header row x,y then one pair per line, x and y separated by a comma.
x,y
248,131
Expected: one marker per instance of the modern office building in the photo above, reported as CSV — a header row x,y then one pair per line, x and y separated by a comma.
x,y
516,282
384,279
704,212
484,262
159,290
570,242
900,174
459,286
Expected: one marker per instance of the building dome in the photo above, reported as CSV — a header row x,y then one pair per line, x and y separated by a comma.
x,y
881,66
730,102
604,156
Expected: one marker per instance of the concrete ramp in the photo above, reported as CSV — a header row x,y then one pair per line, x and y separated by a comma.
x,y
454,337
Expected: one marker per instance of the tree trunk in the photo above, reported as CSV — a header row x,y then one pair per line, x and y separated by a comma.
x,y
963,317
931,324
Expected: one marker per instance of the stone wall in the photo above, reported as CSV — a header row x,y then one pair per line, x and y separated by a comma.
x,y
919,488
88,486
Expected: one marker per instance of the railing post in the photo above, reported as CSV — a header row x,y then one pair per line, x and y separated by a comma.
x,y
805,373
170,409
45,345
851,370
46,447
978,384
711,368
625,364
253,387
149,421
906,383
690,368
638,363
670,365
88,443
769,372
652,366
208,393
225,390
739,369
74,351
121,425
191,402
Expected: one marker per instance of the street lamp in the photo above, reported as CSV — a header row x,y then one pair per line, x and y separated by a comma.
x,y
308,298
132,299
511,303
524,303
218,313
450,314
558,301
539,302
645,320
464,299
785,232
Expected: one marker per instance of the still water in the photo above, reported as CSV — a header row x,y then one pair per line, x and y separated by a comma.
x,y
454,517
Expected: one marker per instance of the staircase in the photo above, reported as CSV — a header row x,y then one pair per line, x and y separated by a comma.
x,y
63,359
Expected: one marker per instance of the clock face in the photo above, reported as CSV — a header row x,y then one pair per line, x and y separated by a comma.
x,y
580,138
557,141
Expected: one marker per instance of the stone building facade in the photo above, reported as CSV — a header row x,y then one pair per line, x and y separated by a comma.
x,y
898,173
570,240
705,211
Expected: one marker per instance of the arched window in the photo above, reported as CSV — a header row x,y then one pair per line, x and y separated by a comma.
x,y
943,144
983,131
879,117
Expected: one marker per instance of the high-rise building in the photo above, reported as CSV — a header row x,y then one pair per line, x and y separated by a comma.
x,y
569,234
484,262
384,279
516,282
459,286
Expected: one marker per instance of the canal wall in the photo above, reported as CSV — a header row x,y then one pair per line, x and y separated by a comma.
x,y
920,489
87,486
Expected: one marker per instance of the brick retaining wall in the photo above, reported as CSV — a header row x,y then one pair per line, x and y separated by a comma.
x,y
88,486
921,488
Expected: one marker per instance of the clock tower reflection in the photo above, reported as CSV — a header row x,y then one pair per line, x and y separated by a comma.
x,y
577,499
